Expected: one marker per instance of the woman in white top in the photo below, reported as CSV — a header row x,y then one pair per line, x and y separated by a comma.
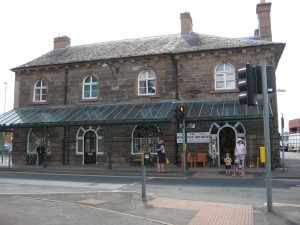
x,y
240,151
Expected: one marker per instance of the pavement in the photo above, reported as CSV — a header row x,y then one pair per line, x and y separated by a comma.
x,y
157,210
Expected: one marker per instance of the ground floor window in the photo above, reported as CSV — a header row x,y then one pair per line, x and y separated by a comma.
x,y
38,141
145,138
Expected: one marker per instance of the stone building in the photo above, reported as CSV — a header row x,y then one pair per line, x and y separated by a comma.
x,y
294,126
101,103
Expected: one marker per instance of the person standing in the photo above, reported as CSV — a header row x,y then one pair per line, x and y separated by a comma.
x,y
161,156
240,151
228,162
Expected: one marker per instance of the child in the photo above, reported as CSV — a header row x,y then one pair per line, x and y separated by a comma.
x,y
238,168
227,161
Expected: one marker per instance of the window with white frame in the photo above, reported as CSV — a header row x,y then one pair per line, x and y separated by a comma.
x,y
80,140
145,136
147,83
90,87
40,91
35,139
225,76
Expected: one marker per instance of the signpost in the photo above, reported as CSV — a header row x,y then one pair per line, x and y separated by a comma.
x,y
267,133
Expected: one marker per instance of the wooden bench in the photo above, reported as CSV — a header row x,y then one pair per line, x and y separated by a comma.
x,y
190,160
136,159
200,158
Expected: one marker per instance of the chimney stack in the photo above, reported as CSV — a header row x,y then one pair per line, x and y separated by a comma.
x,y
62,42
186,23
263,11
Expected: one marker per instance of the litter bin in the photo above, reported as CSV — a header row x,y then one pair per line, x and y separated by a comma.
x,y
272,160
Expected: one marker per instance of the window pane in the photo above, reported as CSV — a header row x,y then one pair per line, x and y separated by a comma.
x,y
142,76
219,68
151,74
94,93
86,91
80,146
219,84
94,87
39,84
230,84
228,67
219,77
151,85
142,91
230,76
94,79
88,80
142,84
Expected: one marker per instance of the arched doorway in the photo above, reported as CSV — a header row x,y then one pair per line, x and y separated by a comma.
x,y
89,148
223,137
227,139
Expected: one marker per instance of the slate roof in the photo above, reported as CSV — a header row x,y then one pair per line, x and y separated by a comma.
x,y
166,44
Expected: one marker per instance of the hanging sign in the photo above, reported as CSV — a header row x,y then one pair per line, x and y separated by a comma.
x,y
195,137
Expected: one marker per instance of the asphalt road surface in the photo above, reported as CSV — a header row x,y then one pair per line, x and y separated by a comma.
x,y
49,199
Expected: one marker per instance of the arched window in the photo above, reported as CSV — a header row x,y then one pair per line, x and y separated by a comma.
x,y
40,91
147,83
224,77
90,87
145,136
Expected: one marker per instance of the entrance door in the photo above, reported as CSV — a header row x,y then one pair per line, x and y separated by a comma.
x,y
89,148
226,143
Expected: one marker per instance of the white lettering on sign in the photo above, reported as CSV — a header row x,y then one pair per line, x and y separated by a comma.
x,y
196,137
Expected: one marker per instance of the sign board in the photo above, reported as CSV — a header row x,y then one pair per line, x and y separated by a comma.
x,y
195,137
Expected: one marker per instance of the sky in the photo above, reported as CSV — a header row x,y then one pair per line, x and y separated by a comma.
x,y
29,27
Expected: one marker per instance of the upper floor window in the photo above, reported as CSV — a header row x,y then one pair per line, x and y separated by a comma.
x,y
90,87
40,91
225,76
147,83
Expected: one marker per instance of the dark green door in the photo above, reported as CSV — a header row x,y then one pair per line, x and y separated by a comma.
x,y
90,148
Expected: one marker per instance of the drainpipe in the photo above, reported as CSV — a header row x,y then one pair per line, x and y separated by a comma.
x,y
174,61
175,64
65,128
46,146
110,147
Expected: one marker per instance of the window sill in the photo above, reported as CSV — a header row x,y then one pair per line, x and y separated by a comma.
x,y
89,100
38,103
224,91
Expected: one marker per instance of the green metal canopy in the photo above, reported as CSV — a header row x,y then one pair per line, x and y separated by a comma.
x,y
128,113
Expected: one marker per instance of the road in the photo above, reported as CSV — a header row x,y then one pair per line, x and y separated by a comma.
x,y
41,198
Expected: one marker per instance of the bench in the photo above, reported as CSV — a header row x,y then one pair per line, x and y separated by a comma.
x,y
200,158
189,160
136,159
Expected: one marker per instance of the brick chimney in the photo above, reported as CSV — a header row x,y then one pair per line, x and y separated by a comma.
x,y
62,42
263,11
186,23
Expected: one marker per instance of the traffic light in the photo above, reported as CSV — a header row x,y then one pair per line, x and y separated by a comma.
x,y
248,84
271,80
181,113
175,115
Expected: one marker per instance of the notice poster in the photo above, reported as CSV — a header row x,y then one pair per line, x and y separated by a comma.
x,y
195,137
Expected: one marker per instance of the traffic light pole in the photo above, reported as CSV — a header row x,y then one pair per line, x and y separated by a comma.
x,y
184,146
282,140
266,133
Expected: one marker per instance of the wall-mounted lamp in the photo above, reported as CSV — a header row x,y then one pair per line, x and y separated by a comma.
x,y
111,67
